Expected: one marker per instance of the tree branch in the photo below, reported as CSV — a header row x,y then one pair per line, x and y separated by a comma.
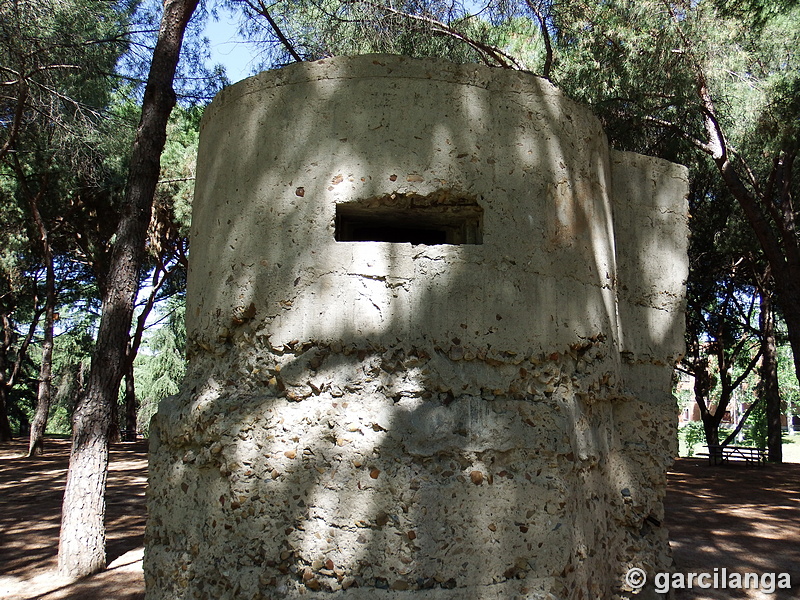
x,y
742,421
23,349
548,46
175,180
501,58
13,133
262,10
788,227
700,145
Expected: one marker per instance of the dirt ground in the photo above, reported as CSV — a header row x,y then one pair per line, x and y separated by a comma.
x,y
733,518
30,512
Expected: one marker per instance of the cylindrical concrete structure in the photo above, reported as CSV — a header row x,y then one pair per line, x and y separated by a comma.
x,y
431,320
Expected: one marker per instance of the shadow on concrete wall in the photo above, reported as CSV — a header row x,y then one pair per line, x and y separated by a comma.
x,y
403,439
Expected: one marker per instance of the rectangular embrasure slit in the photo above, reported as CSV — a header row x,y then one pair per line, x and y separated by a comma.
x,y
410,220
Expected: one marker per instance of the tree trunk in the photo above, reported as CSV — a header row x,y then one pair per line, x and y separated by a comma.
x,y
788,297
769,211
769,378
9,371
778,239
711,429
113,422
36,443
740,425
5,424
160,276
702,388
6,435
82,541
131,405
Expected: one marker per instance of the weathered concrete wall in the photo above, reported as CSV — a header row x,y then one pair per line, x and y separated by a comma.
x,y
387,420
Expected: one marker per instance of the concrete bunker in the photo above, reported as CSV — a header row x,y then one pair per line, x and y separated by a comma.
x,y
475,406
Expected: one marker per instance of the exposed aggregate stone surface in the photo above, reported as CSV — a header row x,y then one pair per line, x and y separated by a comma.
x,y
375,420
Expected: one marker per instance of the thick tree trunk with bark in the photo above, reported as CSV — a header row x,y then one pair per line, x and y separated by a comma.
x,y
788,297
81,549
82,541
769,379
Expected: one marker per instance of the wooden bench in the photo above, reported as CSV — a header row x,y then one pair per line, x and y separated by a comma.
x,y
718,455
129,435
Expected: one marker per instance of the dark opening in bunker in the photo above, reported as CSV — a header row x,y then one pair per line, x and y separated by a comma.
x,y
410,219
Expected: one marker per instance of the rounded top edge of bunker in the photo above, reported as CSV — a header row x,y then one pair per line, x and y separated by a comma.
x,y
391,66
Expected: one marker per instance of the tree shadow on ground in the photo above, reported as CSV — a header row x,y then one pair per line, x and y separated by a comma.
x,y
31,492
734,517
